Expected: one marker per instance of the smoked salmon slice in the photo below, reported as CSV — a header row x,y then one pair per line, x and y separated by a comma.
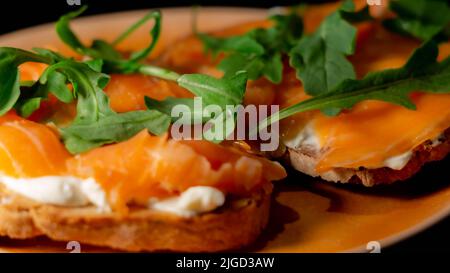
x,y
30,149
135,170
127,92
155,166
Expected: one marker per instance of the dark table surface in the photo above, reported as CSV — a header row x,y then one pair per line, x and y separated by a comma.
x,y
436,238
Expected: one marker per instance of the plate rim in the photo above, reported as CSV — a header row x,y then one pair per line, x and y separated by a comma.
x,y
398,237
87,18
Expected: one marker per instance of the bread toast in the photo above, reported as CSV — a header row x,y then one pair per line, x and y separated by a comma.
x,y
232,226
305,161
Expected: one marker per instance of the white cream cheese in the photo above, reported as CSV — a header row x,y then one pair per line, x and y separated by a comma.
x,y
191,202
437,141
76,192
306,137
59,190
399,161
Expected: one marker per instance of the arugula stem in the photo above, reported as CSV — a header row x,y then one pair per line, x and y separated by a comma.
x,y
135,26
194,20
159,72
307,105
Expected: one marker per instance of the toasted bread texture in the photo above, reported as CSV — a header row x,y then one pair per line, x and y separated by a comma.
x,y
236,224
305,160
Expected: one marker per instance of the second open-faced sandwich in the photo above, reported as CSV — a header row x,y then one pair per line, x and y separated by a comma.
x,y
379,109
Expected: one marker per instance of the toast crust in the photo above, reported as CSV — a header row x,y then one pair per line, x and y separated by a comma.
x,y
305,161
236,224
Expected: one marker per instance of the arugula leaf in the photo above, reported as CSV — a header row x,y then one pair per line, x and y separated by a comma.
x,y
30,100
423,19
52,55
103,50
421,72
113,60
158,72
222,92
360,16
237,62
226,91
154,33
88,87
66,34
28,106
220,127
96,123
98,50
166,106
258,52
95,64
320,58
56,84
10,59
241,44
113,128
217,92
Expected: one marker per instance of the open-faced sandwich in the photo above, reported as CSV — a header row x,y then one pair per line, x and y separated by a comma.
x,y
82,158
334,58
87,150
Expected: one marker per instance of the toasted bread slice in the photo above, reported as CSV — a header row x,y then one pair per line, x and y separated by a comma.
x,y
305,160
236,224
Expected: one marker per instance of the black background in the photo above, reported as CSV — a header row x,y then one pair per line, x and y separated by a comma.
x,y
17,14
